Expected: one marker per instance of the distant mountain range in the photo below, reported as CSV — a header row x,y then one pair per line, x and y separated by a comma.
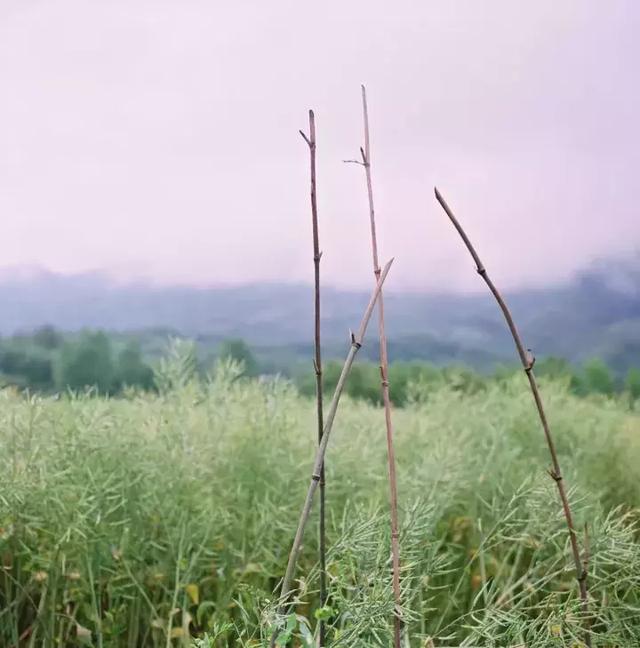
x,y
595,314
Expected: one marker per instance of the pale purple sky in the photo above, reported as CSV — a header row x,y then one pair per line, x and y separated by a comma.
x,y
158,139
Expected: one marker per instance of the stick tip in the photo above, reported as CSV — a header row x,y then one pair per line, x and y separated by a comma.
x,y
387,265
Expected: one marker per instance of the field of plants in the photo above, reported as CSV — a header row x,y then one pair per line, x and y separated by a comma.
x,y
166,519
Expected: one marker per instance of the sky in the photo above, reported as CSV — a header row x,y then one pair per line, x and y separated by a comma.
x,y
158,139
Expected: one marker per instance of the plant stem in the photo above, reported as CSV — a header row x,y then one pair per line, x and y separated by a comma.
x,y
317,364
384,374
356,343
528,361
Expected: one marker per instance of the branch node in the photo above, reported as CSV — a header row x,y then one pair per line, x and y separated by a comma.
x,y
555,476
306,139
531,360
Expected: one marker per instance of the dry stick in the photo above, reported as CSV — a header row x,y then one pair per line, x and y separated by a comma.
x,y
317,361
356,343
528,360
384,373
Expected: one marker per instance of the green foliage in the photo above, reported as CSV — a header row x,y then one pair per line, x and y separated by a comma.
x,y
46,360
161,517
408,381
26,368
632,383
553,367
131,370
178,368
237,350
87,362
595,378
48,338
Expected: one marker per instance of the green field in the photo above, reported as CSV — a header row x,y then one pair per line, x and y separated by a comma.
x,y
150,519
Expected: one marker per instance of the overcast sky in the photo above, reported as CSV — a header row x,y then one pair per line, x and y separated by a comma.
x,y
159,139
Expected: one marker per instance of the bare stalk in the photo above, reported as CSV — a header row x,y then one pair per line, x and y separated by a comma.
x,y
356,343
384,374
317,362
528,360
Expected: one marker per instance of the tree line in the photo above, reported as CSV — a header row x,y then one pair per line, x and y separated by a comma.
x,y
48,360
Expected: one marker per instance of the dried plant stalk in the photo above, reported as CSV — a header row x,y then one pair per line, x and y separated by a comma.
x,y
356,343
384,373
317,363
528,360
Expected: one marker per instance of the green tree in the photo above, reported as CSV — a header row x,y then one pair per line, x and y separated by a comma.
x,y
632,384
47,337
131,370
26,368
87,362
238,350
553,367
596,378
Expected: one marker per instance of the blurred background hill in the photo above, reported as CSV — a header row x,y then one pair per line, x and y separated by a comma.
x,y
594,315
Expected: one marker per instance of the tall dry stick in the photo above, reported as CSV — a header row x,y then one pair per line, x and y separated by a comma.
x,y
356,343
384,374
317,361
528,360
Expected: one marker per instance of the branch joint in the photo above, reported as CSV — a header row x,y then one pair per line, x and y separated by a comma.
x,y
317,368
556,478
310,144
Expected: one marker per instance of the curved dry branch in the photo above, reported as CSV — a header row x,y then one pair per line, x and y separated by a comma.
x,y
528,360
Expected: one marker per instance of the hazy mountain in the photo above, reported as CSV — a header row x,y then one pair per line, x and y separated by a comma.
x,y
597,313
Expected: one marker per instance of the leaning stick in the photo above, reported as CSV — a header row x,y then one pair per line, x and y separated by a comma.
x,y
356,343
317,361
528,361
384,374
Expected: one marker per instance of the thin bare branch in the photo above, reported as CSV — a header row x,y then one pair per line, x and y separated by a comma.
x,y
309,142
365,153
356,343
317,365
528,360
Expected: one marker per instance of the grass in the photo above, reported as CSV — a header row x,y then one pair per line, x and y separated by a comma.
x,y
150,520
